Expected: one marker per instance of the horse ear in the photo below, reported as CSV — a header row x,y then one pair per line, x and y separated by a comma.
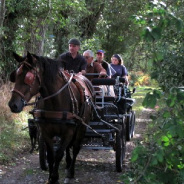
x,y
35,56
17,57
32,58
29,56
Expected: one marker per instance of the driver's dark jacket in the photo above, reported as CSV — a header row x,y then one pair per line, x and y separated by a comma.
x,y
76,64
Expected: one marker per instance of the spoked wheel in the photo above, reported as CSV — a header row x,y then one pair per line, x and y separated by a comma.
x,y
133,124
129,126
42,154
120,146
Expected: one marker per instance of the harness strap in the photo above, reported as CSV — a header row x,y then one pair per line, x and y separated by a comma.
x,y
68,82
81,90
60,115
52,114
16,91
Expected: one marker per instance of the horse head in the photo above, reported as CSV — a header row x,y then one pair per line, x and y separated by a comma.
x,y
27,81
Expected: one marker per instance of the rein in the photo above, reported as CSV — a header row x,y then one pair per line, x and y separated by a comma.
x,y
59,91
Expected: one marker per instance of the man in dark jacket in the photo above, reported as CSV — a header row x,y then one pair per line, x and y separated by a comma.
x,y
72,60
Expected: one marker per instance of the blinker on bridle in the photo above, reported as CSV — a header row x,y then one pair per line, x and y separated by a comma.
x,y
29,78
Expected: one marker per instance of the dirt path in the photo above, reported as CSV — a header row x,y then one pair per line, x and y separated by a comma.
x,y
92,167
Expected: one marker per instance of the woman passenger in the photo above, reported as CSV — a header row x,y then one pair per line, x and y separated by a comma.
x,y
118,67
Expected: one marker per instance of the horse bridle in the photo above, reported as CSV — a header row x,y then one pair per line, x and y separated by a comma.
x,y
29,79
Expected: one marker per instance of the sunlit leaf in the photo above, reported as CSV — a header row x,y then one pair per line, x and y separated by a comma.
x,y
165,138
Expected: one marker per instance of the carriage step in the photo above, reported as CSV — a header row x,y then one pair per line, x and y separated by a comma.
x,y
96,147
90,133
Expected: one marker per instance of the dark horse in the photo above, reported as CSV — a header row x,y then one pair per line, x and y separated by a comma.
x,y
66,110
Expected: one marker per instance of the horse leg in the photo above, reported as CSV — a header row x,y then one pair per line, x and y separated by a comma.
x,y
76,149
68,159
32,144
50,158
64,143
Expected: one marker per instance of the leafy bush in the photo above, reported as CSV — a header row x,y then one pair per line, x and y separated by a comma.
x,y
160,159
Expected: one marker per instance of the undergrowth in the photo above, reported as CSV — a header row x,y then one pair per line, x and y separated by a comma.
x,y
160,158
13,139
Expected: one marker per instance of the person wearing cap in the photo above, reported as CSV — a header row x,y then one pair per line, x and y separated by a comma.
x,y
93,67
119,68
72,60
100,60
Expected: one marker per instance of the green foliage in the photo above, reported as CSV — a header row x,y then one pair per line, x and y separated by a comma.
x,y
151,98
159,159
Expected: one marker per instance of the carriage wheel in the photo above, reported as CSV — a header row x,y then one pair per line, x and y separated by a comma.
x,y
129,126
42,154
133,124
120,146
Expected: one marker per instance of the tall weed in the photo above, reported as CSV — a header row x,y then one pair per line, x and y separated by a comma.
x,y
12,138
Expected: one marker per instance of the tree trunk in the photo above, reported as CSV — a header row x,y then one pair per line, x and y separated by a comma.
x,y
35,43
2,14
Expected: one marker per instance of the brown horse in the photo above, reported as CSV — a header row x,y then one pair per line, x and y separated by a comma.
x,y
67,106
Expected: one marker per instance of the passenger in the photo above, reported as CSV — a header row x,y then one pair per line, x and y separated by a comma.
x,y
73,61
119,68
93,67
100,59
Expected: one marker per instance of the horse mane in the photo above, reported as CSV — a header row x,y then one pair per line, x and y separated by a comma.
x,y
51,68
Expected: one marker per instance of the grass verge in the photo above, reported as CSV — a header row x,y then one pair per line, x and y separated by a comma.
x,y
13,139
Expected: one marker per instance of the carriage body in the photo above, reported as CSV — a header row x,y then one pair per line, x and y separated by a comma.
x,y
113,118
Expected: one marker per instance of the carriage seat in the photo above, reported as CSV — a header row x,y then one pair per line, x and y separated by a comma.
x,y
103,94
106,98
97,81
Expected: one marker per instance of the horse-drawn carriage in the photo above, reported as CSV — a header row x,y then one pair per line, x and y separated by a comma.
x,y
113,118
93,121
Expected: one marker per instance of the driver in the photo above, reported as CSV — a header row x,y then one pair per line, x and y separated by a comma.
x,y
72,60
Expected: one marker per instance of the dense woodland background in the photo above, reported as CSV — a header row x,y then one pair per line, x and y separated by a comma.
x,y
150,37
